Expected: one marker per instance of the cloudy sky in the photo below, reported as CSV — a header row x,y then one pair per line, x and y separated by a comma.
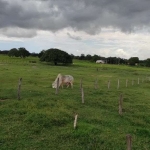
x,y
118,28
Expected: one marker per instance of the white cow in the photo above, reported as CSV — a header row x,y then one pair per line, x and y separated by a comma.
x,y
63,79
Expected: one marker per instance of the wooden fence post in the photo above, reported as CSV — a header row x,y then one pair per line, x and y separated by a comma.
x,y
57,88
82,95
129,141
19,88
138,81
75,121
120,104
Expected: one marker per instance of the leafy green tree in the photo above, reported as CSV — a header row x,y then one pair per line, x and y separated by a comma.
x,y
133,60
56,56
82,57
112,60
41,53
95,57
148,62
33,54
88,57
4,52
72,56
13,53
23,52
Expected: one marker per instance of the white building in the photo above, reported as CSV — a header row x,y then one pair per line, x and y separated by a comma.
x,y
100,61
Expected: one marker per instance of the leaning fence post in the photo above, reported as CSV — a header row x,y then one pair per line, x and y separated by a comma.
x,y
19,88
120,104
129,141
57,87
75,121
82,95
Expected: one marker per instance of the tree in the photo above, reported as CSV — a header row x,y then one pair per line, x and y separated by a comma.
x,y
72,56
56,56
41,53
113,60
4,52
34,54
23,52
88,57
133,60
13,52
148,62
82,57
95,57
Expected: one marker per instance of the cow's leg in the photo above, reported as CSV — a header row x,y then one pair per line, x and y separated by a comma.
x,y
71,85
62,86
68,84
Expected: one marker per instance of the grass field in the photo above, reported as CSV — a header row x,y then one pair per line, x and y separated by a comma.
x,y
42,120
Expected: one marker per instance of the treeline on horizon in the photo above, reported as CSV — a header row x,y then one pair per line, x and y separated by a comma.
x,y
109,60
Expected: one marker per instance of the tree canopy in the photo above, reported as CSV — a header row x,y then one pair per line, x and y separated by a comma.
x,y
13,53
41,53
56,56
20,52
133,60
148,62
23,52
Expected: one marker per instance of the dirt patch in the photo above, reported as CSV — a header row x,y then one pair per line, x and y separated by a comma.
x,y
4,99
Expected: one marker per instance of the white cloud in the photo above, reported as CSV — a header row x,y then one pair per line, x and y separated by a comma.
x,y
108,42
121,53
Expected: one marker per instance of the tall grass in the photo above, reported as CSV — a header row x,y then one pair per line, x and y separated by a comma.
x,y
43,120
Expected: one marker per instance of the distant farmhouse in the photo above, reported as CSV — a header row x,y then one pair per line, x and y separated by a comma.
x,y
100,61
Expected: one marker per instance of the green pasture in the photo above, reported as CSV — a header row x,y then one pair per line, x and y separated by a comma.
x,y
43,120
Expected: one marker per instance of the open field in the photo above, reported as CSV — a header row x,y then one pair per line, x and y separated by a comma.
x,y
42,120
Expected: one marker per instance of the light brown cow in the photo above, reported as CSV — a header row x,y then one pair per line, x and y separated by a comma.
x,y
63,80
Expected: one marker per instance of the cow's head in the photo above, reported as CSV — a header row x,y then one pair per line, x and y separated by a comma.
x,y
54,85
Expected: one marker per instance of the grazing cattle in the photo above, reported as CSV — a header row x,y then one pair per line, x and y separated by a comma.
x,y
63,80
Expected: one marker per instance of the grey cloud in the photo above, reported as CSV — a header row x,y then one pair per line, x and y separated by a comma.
x,y
18,32
83,15
74,37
